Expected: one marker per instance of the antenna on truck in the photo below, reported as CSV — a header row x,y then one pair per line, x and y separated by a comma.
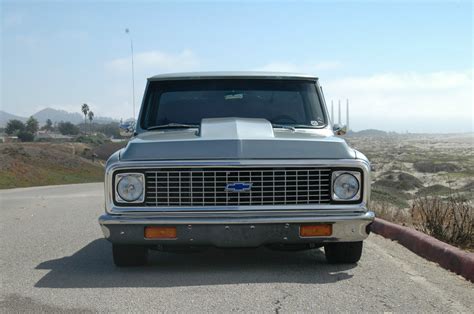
x,y
347,114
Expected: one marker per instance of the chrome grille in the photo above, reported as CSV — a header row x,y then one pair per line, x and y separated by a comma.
x,y
188,187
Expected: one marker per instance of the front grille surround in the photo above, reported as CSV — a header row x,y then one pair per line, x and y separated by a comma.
x,y
206,187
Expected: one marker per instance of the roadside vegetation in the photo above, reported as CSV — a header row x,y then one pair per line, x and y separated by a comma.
x,y
56,153
450,220
24,131
34,164
423,181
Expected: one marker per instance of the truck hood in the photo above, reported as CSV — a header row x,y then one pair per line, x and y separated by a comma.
x,y
236,138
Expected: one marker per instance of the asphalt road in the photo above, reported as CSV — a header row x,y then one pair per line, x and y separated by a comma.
x,y
53,258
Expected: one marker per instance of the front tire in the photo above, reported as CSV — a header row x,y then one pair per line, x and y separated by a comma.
x,y
129,255
343,252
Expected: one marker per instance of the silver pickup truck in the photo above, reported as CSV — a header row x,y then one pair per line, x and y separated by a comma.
x,y
236,159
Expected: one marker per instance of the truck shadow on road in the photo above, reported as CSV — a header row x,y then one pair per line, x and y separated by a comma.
x,y
92,267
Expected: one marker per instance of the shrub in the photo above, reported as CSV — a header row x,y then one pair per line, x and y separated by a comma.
x,y
450,220
104,151
98,139
436,189
408,181
399,180
382,194
67,128
110,129
469,188
32,125
14,127
26,136
432,167
389,212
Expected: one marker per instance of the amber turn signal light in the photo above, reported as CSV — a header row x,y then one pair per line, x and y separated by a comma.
x,y
320,230
160,232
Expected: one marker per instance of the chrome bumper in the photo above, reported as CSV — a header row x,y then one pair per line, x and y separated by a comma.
x,y
236,229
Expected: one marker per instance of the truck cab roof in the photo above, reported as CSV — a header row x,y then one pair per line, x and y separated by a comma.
x,y
232,75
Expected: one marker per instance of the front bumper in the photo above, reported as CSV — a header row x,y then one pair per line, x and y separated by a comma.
x,y
231,230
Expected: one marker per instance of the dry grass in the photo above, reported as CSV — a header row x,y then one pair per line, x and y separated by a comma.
x,y
105,150
33,164
450,220
389,212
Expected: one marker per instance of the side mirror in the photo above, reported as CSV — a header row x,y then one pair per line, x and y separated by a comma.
x,y
127,129
339,129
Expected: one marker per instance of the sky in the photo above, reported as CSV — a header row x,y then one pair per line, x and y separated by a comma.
x,y
403,65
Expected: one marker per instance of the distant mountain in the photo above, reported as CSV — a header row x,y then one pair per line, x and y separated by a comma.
x,y
369,132
55,115
103,120
5,117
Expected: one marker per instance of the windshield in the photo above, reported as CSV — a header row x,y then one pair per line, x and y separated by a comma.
x,y
282,102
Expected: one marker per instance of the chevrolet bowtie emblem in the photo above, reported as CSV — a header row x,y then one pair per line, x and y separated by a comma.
x,y
238,187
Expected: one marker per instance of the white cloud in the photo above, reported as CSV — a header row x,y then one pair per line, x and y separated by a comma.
x,y
439,101
435,102
157,61
308,67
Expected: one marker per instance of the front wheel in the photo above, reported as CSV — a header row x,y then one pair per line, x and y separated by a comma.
x,y
129,255
343,252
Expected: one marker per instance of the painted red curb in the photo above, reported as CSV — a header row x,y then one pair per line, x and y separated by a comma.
x,y
447,256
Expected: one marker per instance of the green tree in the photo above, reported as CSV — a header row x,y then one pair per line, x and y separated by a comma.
x,y
91,117
14,127
67,128
32,125
109,129
85,110
48,126
26,136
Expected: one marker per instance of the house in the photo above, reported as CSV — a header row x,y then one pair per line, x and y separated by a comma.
x,y
45,136
5,138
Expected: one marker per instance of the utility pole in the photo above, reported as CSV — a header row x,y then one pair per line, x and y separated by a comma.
x,y
127,31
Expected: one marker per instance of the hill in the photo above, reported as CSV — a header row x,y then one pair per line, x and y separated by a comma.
x,y
5,117
61,115
56,116
33,164
369,132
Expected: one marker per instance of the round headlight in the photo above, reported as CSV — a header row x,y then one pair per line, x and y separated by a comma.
x,y
346,186
130,187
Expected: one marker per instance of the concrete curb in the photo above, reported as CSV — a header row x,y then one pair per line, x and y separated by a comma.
x,y
447,256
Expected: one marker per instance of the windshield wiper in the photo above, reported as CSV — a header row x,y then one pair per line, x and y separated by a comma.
x,y
173,126
282,126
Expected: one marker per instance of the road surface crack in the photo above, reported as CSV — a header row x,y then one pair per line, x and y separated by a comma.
x,y
278,303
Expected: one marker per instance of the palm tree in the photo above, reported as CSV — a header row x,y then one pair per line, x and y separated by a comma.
x,y
85,110
91,117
